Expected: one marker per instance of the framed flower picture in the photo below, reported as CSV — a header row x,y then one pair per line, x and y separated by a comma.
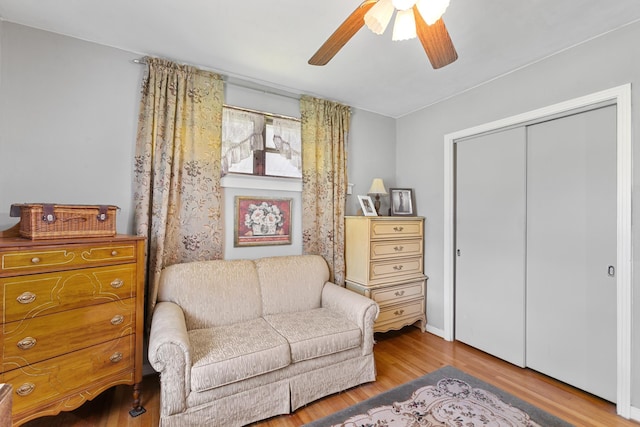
x,y
262,221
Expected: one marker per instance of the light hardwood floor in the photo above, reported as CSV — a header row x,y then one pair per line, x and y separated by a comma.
x,y
400,357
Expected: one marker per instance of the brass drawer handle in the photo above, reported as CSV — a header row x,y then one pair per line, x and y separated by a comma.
x,y
398,267
25,389
114,253
399,293
117,283
398,248
116,357
117,319
27,343
26,298
398,312
35,260
398,229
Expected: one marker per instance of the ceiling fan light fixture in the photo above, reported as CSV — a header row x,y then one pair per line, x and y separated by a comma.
x,y
404,27
379,16
403,4
432,10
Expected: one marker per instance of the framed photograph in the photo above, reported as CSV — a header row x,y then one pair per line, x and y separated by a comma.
x,y
262,221
367,206
402,202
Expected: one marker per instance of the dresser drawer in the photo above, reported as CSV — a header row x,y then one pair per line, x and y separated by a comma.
x,y
395,248
396,229
398,293
48,293
401,311
54,379
395,270
39,338
72,256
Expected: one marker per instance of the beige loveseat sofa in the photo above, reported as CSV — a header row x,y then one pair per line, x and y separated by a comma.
x,y
242,340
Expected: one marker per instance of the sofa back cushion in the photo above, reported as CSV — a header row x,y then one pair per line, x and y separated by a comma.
x,y
213,293
291,283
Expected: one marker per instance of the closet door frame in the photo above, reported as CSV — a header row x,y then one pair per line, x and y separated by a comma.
x,y
621,97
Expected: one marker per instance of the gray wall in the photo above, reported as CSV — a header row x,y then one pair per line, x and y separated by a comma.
x,y
599,64
68,121
372,155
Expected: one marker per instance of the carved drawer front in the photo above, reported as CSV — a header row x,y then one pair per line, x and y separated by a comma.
x,y
395,269
53,379
395,229
41,259
48,293
401,311
398,293
36,339
399,248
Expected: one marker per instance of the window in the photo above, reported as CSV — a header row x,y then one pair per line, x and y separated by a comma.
x,y
261,144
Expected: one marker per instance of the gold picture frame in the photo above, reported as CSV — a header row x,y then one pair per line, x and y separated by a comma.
x,y
262,221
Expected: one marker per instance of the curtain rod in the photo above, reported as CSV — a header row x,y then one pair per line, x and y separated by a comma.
x,y
240,83
273,115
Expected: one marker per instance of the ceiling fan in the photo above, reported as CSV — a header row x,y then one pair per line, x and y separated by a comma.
x,y
421,18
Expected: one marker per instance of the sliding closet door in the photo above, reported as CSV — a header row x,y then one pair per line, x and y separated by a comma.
x,y
571,242
490,243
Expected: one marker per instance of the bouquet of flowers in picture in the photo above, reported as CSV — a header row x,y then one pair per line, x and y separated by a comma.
x,y
264,219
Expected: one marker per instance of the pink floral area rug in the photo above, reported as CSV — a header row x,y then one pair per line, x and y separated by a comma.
x,y
446,397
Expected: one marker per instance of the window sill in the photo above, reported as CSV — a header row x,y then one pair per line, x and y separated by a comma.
x,y
261,183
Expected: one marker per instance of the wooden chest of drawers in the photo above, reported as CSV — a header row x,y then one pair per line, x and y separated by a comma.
x,y
72,320
384,261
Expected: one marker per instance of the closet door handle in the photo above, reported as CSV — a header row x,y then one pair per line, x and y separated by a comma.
x,y
611,271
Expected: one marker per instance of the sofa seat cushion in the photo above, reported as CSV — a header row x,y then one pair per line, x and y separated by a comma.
x,y
315,333
225,354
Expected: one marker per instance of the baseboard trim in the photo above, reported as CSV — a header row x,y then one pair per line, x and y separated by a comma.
x,y
635,414
435,331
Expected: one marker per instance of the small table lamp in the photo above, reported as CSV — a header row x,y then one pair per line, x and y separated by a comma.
x,y
377,188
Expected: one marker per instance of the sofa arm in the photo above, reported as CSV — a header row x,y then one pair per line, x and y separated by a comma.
x,y
357,308
170,354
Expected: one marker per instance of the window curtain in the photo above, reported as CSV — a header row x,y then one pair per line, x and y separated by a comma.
x,y
325,127
241,135
286,138
177,197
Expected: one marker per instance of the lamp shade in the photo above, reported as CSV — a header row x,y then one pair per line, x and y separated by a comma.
x,y
404,27
432,10
378,17
377,187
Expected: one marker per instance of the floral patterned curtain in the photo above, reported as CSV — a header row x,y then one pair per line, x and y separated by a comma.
x,y
325,126
177,193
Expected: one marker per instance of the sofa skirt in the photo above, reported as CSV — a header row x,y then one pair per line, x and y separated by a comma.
x,y
277,398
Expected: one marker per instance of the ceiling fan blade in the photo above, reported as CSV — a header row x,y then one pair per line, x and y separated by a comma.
x,y
342,35
435,41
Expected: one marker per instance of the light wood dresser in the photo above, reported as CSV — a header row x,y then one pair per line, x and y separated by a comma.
x,y
72,320
384,261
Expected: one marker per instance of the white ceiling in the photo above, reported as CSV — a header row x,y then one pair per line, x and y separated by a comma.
x,y
270,41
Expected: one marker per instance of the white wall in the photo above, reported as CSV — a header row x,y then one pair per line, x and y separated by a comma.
x,y
599,64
